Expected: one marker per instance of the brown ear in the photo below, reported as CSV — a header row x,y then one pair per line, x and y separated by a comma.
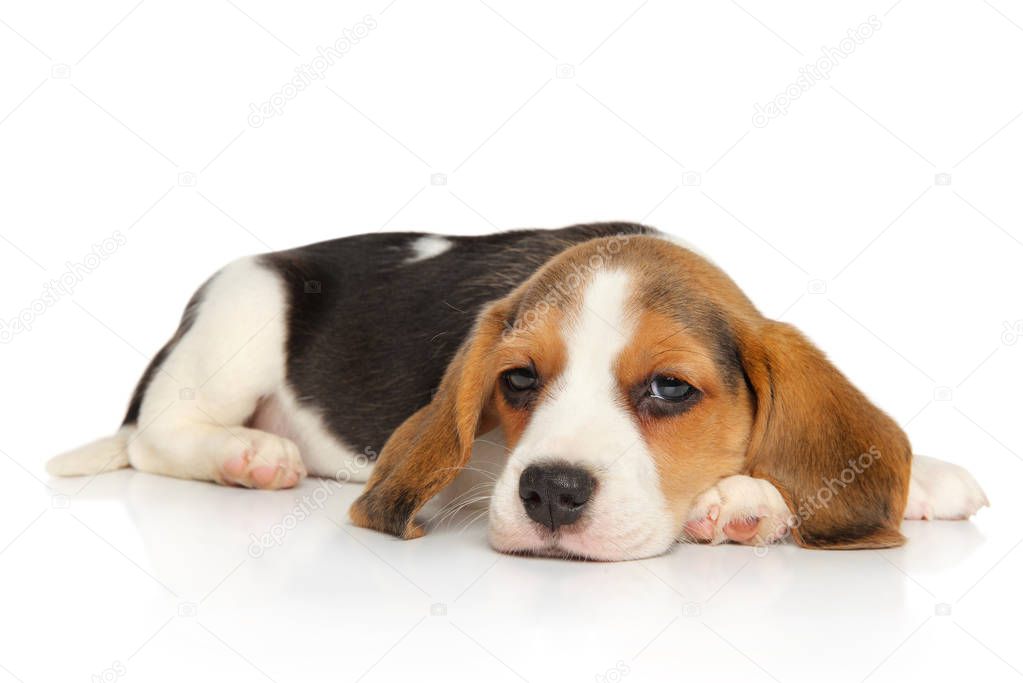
x,y
841,464
426,452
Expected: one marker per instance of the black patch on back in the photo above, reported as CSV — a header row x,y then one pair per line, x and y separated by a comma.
x,y
370,335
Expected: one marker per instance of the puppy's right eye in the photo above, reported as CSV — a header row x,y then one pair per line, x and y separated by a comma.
x,y
520,379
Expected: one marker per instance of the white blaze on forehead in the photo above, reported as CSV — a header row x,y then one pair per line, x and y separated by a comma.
x,y
582,420
428,246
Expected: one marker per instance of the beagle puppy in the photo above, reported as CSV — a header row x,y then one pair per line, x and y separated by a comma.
x,y
643,398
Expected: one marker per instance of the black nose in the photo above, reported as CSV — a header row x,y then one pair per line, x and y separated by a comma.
x,y
555,495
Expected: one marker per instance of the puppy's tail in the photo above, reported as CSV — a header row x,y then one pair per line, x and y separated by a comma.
x,y
102,455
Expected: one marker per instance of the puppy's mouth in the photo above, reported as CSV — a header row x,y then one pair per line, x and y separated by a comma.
x,y
537,540
556,542
581,540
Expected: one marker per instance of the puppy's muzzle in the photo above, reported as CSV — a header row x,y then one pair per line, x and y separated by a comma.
x,y
555,494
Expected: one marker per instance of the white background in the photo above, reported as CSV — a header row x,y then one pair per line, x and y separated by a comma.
x,y
835,216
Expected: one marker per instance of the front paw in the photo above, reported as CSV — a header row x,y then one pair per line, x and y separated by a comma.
x,y
741,509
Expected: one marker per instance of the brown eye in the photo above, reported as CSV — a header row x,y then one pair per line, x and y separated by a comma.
x,y
520,379
668,388
664,396
520,387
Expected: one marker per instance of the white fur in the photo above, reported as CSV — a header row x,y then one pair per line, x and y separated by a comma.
x,y
101,455
941,490
427,247
583,423
741,498
211,382
323,454
227,371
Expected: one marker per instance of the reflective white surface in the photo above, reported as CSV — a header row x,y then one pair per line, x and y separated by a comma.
x,y
880,214
169,580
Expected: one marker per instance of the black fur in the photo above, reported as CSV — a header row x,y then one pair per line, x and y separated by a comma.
x,y
370,334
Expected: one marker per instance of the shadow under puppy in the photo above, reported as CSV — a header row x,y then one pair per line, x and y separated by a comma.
x,y
642,396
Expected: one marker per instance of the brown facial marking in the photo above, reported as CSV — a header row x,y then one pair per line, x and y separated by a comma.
x,y
540,346
707,441
810,426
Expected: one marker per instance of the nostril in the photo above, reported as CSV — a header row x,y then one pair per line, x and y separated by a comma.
x,y
570,501
532,499
555,494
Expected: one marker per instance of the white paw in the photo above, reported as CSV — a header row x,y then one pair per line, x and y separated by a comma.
x,y
263,461
941,490
741,509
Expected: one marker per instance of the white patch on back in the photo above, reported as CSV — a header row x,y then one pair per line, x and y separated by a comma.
x,y
427,247
582,422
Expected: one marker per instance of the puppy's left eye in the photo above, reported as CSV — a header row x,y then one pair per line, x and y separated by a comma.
x,y
521,379
670,389
519,386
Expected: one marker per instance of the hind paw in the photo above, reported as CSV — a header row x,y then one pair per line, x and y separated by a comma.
x,y
266,461
941,490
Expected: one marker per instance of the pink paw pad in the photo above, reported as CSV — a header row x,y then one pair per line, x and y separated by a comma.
x,y
273,466
740,509
234,468
742,529
703,529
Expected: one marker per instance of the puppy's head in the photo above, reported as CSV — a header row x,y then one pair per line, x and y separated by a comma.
x,y
629,375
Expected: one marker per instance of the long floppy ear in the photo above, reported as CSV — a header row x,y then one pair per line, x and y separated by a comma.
x,y
425,453
841,464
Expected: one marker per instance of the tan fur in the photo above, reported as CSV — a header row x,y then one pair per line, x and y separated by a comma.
x,y
544,347
813,428
773,406
696,449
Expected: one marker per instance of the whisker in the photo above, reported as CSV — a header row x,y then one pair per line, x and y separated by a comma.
x,y
456,502
461,506
495,443
474,519
489,474
450,511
